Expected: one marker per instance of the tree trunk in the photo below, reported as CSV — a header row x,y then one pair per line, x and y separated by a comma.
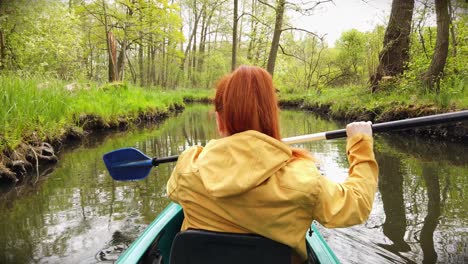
x,y
140,62
121,60
276,36
2,39
239,37
148,60
2,50
111,48
234,37
112,54
395,52
253,27
132,70
192,37
452,29
433,75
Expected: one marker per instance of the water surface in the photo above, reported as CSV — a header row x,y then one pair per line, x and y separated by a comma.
x,y
78,214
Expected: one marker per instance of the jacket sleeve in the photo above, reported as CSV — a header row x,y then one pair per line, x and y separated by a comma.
x,y
172,183
349,203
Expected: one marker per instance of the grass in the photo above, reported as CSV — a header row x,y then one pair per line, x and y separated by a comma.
x,y
40,108
357,99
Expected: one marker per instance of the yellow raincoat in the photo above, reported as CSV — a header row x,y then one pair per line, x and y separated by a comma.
x,y
249,183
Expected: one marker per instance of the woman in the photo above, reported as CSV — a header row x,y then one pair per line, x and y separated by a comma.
x,y
250,182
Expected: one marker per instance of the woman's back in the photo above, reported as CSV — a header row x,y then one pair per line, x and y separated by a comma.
x,y
250,182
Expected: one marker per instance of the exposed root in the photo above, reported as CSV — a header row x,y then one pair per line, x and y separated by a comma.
x,y
6,175
37,164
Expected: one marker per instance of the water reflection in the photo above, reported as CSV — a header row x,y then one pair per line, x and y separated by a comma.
x,y
433,212
79,214
391,192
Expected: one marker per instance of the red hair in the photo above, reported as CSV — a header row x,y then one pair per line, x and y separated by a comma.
x,y
246,100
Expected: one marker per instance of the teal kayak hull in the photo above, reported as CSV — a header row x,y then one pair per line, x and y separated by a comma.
x,y
168,223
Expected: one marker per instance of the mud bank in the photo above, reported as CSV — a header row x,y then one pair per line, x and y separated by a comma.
x,y
34,155
450,132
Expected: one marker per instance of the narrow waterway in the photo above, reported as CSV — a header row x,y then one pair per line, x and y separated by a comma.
x,y
78,214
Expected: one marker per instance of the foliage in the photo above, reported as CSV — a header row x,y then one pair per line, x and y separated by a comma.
x,y
351,53
184,44
42,36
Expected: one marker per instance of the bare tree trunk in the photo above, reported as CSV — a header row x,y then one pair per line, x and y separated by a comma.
x,y
433,75
111,48
452,29
276,36
192,61
234,37
395,52
141,68
149,59
2,50
192,35
112,52
253,28
153,65
2,39
121,60
239,37
132,70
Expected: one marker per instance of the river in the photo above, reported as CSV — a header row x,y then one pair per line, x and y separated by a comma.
x,y
78,214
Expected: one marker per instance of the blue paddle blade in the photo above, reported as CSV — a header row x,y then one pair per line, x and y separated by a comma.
x,y
127,164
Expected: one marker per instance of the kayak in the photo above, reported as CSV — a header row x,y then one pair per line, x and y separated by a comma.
x,y
155,243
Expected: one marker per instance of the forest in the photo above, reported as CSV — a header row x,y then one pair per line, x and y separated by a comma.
x,y
191,43
71,65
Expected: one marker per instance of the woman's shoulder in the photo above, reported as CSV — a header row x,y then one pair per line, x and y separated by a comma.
x,y
300,175
188,157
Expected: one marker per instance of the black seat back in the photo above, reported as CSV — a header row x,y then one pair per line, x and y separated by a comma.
x,y
200,246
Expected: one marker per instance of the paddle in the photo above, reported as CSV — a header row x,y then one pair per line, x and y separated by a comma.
x,y
131,164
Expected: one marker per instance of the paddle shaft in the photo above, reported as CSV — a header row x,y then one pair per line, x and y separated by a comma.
x,y
385,127
376,128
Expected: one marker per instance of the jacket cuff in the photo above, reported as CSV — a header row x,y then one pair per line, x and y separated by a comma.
x,y
354,140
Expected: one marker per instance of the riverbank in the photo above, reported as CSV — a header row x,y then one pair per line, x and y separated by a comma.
x,y
39,117
354,103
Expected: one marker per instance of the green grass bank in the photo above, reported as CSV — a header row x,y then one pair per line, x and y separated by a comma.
x,y
38,115
354,102
357,103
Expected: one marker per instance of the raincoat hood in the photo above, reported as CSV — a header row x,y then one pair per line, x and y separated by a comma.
x,y
240,162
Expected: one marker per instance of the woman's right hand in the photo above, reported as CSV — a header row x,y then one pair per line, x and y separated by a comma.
x,y
359,128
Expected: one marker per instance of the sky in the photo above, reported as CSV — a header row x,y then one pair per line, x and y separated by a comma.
x,y
334,18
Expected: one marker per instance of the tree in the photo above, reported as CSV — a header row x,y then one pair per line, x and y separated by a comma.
x,y
39,37
304,8
234,36
432,77
279,9
395,52
351,54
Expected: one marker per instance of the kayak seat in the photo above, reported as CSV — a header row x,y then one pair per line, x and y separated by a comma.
x,y
207,247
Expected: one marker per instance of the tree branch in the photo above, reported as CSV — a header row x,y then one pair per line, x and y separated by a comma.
x,y
304,30
256,19
267,4
290,55
307,11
